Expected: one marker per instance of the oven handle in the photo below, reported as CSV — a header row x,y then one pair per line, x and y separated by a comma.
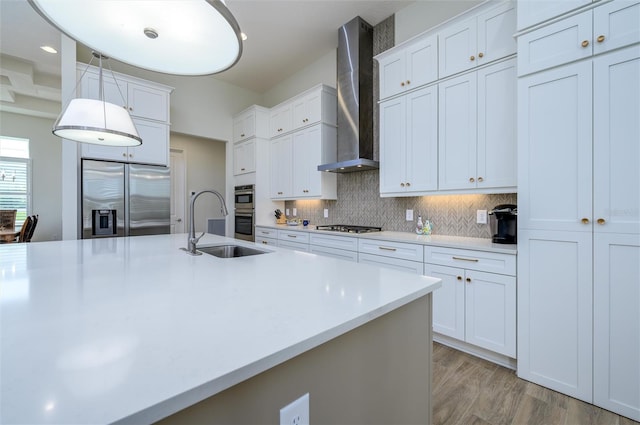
x,y
244,192
243,214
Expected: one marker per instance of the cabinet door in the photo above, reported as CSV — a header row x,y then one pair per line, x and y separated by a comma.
x,y
555,149
155,143
616,321
113,153
555,44
457,48
113,91
244,126
457,130
393,145
422,140
490,307
495,33
244,157
307,110
281,156
555,310
616,150
422,62
497,139
448,300
147,102
532,12
616,24
281,120
392,74
307,146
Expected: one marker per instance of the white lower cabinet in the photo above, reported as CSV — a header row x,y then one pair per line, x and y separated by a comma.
x,y
394,255
474,305
342,247
293,239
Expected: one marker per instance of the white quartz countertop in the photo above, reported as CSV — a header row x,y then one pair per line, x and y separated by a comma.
x,y
131,330
478,244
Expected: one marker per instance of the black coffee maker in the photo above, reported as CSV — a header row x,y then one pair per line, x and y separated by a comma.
x,y
504,223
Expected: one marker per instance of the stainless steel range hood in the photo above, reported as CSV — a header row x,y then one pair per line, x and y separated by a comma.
x,y
355,99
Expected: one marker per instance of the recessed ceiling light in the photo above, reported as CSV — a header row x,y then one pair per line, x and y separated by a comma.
x,y
48,49
243,36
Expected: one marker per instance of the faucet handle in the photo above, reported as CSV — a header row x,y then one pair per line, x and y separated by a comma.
x,y
194,241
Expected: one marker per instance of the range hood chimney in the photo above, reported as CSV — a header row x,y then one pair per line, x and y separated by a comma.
x,y
355,99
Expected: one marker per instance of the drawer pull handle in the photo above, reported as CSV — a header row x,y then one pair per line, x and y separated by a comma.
x,y
292,236
600,38
386,248
473,260
585,43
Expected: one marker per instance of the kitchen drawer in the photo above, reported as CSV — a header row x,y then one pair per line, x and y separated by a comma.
x,y
266,232
491,262
403,251
341,242
293,245
391,263
293,236
334,253
266,241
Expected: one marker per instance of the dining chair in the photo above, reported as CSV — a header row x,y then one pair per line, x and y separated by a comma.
x,y
26,228
34,222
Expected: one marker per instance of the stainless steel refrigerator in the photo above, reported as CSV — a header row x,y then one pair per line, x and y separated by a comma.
x,y
121,199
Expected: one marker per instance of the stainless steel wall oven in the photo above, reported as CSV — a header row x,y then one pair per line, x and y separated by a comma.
x,y
244,213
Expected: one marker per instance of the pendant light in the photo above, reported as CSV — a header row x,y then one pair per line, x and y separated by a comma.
x,y
181,37
95,121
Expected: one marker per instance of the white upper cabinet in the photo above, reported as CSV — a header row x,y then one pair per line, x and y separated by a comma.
x,y
244,157
312,146
604,28
148,105
142,100
244,126
281,167
478,40
307,109
532,12
248,127
281,120
408,66
310,107
409,143
477,131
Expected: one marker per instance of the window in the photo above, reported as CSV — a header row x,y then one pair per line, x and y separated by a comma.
x,y
15,177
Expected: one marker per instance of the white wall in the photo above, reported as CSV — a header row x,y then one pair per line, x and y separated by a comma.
x,y
423,15
205,166
321,71
46,156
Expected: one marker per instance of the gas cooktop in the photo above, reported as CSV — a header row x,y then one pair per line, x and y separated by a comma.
x,y
348,229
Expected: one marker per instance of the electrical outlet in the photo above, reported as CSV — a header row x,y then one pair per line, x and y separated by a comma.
x,y
286,212
296,412
409,215
326,213
481,216
295,212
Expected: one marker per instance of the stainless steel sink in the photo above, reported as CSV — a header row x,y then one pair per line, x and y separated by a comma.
x,y
229,251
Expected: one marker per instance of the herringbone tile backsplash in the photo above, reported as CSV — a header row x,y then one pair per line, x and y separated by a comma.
x,y
359,203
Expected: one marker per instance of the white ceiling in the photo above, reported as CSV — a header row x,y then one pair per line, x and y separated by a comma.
x,y
284,37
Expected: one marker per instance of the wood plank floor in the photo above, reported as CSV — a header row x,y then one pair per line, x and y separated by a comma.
x,y
471,391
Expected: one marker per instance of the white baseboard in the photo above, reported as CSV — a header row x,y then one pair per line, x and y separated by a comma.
x,y
491,356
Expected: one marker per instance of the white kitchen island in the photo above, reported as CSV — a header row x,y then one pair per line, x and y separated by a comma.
x,y
133,330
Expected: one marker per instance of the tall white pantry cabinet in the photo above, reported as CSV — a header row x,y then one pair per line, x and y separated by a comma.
x,y
579,205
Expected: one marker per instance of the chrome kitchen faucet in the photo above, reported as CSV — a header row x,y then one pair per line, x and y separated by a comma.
x,y
192,240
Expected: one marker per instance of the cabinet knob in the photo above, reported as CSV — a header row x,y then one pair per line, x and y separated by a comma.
x,y
242,169
408,82
480,55
585,220
585,43
459,277
408,184
130,155
279,193
124,154
600,221
242,135
471,180
600,38
130,108
402,84
480,179
468,280
472,58
401,184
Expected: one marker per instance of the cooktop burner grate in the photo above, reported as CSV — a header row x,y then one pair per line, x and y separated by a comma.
x,y
348,229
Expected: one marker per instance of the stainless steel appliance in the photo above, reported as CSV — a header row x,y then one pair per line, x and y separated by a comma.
x,y
345,228
244,212
121,199
504,224
355,99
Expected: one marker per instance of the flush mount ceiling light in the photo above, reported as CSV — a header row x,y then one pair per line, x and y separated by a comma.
x,y
96,121
181,37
